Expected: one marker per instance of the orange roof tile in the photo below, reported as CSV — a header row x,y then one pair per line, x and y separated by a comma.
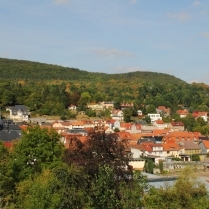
x,y
159,122
23,127
206,143
160,132
182,112
171,146
179,136
124,135
77,123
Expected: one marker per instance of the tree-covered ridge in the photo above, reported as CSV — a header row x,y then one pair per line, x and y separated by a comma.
x,y
33,71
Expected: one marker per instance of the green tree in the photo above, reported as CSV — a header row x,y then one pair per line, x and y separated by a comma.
x,y
195,157
132,193
147,119
117,104
8,98
6,181
203,107
189,122
151,109
104,189
128,112
36,193
64,187
149,166
161,166
37,149
84,99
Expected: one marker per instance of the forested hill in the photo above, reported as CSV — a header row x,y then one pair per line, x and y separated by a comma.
x,y
33,71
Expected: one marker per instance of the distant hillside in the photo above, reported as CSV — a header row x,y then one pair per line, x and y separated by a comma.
x,y
33,71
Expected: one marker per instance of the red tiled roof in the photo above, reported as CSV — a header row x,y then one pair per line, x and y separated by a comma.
x,y
87,122
182,112
159,122
199,114
124,135
77,123
23,127
177,123
206,143
161,108
160,132
65,123
179,136
171,146
8,144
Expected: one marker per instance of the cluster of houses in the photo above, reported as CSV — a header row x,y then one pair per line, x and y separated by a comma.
x,y
158,141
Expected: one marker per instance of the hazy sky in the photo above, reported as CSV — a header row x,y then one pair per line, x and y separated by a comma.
x,y
111,36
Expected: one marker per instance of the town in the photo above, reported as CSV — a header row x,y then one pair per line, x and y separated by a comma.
x,y
156,140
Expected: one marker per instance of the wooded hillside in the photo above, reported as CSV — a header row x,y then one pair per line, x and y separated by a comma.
x,y
50,89
33,71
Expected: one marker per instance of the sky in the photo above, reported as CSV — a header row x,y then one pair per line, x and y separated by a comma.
x,y
110,36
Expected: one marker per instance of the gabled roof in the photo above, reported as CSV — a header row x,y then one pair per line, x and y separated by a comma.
x,y
179,136
177,123
189,145
9,135
72,105
124,135
146,147
182,112
146,140
77,123
206,143
199,114
159,122
138,126
23,127
116,111
16,108
171,146
127,126
110,121
77,131
87,122
65,123
161,108
8,144
158,132
80,137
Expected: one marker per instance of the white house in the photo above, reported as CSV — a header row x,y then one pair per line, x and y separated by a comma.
x,y
72,107
159,124
117,115
18,113
154,117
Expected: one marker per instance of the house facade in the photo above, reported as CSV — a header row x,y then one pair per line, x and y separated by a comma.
x,y
204,146
154,116
95,106
117,115
159,124
182,113
176,126
18,113
163,110
72,107
203,115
